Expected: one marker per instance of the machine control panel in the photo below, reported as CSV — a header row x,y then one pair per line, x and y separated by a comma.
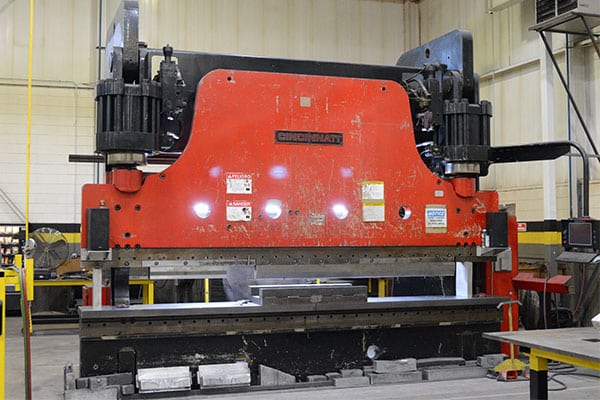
x,y
581,234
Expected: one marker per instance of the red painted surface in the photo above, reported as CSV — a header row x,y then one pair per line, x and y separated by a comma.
x,y
501,283
464,187
87,296
125,180
556,284
237,113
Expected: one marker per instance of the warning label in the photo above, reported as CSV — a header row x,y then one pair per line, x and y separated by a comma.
x,y
239,183
373,212
373,201
239,210
372,190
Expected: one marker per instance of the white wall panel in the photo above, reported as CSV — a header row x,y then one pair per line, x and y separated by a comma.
x,y
63,36
369,31
507,57
65,68
62,124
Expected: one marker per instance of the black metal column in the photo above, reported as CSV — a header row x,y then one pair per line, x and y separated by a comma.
x,y
538,385
120,286
590,34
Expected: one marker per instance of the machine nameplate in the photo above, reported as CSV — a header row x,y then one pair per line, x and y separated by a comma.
x,y
307,137
436,218
317,219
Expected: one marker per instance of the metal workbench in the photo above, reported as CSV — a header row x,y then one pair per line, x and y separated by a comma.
x,y
577,346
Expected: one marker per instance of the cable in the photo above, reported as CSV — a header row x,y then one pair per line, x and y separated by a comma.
x,y
410,78
558,366
563,386
559,369
544,299
581,289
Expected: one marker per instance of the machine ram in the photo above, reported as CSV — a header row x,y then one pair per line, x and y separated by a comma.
x,y
299,172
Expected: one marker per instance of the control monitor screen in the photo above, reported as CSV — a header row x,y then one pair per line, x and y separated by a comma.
x,y
580,234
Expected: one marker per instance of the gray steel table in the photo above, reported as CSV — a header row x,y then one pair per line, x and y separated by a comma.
x,y
577,346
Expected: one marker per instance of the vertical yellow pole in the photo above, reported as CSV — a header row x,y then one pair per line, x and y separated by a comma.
x,y
381,287
151,292
28,152
29,277
369,286
206,290
2,330
510,328
148,292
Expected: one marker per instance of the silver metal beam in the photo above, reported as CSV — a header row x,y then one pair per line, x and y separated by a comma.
x,y
13,207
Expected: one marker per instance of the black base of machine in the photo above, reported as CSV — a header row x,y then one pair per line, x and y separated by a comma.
x,y
300,339
299,354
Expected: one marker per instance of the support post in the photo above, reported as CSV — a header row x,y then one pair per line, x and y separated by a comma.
x,y
206,290
464,279
2,330
148,292
547,121
381,285
97,288
538,380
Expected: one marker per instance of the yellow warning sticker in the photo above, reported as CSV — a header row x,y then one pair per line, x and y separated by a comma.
x,y
373,212
372,190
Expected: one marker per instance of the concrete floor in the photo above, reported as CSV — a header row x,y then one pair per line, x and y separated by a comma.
x,y
51,350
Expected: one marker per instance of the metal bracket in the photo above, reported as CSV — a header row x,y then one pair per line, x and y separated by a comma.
x,y
503,261
96,255
192,269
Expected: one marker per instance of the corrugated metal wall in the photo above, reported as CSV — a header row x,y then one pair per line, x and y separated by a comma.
x,y
366,31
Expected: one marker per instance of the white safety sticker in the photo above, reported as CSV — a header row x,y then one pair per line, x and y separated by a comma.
x,y
372,190
239,210
373,212
317,219
436,218
239,183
